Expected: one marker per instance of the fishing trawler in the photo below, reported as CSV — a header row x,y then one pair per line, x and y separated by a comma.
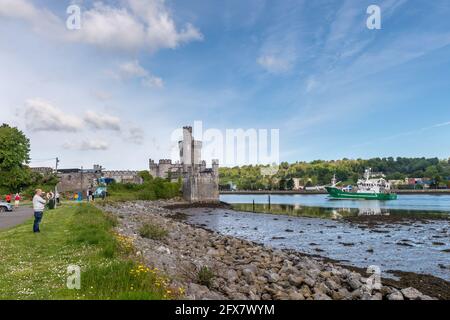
x,y
368,189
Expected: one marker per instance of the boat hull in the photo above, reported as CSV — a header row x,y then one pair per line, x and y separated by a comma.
x,y
339,194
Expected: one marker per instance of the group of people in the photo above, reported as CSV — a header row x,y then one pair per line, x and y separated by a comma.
x,y
9,198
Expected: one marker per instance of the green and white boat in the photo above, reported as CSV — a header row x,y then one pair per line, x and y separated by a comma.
x,y
368,189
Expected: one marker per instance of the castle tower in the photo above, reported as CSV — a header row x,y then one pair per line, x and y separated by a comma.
x,y
215,167
153,168
186,149
164,167
199,183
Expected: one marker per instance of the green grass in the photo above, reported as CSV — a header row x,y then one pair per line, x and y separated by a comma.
x,y
34,266
152,189
205,276
152,231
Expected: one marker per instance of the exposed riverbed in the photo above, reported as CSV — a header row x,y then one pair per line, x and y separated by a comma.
x,y
240,269
420,246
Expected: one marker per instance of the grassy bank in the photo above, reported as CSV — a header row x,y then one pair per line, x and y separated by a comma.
x,y
34,266
151,189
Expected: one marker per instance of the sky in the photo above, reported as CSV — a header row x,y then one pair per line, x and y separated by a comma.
x,y
113,91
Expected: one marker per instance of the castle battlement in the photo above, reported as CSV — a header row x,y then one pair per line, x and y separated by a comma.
x,y
200,184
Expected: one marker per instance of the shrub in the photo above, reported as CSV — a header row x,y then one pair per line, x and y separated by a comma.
x,y
205,276
151,189
152,231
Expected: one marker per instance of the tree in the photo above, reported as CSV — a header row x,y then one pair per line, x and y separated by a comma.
x,y
290,184
145,175
14,155
14,148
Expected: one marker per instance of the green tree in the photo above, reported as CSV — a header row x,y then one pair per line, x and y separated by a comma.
x,y
290,184
145,175
14,155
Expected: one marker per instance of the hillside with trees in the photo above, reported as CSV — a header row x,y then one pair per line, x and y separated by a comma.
x,y
348,171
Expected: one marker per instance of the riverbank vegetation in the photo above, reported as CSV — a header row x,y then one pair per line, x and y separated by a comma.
x,y
34,266
348,171
151,189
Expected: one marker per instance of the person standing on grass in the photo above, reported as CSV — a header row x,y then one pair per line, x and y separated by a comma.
x,y
38,207
8,198
16,200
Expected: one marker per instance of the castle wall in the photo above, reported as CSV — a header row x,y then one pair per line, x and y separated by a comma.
x,y
76,181
123,176
202,187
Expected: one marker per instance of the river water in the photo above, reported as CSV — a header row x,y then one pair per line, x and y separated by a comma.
x,y
313,224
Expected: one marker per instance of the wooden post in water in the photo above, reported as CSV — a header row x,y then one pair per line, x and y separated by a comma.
x,y
269,202
253,205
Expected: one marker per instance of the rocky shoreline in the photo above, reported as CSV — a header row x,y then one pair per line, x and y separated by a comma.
x,y
241,269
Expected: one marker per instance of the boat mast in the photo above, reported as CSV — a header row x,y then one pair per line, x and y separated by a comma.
x,y
367,174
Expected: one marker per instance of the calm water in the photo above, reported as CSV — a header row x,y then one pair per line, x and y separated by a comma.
x,y
321,206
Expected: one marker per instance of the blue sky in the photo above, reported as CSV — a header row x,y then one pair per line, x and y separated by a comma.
x,y
113,91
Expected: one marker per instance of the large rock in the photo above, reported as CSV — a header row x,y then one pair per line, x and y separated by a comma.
x,y
354,281
199,292
395,295
249,274
411,293
296,296
309,281
295,280
332,284
272,277
321,296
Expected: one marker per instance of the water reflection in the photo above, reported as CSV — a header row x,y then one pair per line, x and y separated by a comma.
x,y
372,209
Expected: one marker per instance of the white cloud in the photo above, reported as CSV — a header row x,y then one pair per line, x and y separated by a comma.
x,y
87,145
138,24
274,64
160,29
132,69
41,115
102,121
135,135
41,20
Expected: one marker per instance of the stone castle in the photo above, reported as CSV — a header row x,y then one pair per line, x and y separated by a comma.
x,y
200,184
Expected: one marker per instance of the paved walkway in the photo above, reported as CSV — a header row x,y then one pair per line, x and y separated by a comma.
x,y
18,216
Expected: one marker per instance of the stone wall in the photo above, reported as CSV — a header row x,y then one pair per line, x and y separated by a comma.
x,y
123,176
76,181
201,187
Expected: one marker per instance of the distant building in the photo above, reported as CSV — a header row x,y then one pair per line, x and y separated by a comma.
x,y
123,176
76,179
165,169
378,175
298,185
396,183
42,170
